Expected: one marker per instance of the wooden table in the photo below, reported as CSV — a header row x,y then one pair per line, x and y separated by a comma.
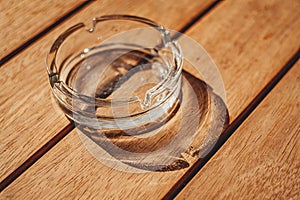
x,y
255,45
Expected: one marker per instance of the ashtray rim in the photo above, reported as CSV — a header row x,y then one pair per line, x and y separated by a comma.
x,y
53,73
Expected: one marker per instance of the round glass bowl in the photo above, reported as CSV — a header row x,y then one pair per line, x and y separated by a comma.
x,y
120,73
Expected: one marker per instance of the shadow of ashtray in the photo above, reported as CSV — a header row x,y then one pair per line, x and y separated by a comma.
x,y
190,133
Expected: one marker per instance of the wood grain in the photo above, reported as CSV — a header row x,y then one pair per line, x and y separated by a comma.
x,y
250,41
29,116
21,20
261,160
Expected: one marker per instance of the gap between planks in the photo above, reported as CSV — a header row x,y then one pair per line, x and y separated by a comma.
x,y
39,35
228,132
36,156
66,130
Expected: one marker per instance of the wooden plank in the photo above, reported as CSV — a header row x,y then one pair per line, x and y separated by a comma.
x,y
249,45
29,117
21,20
246,46
261,160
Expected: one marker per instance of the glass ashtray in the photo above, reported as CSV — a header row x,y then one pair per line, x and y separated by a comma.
x,y
119,74
120,79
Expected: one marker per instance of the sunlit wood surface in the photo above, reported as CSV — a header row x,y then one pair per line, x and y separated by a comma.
x,y
250,41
